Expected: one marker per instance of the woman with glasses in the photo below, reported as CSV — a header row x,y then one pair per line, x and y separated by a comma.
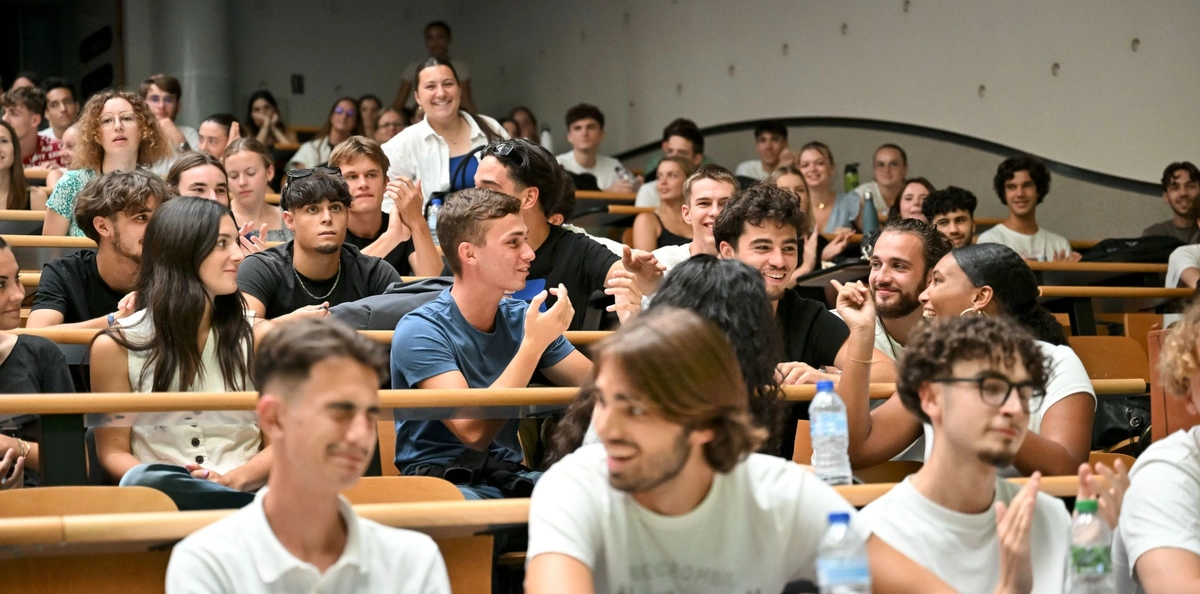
x,y
987,280
437,151
343,122
118,132
263,121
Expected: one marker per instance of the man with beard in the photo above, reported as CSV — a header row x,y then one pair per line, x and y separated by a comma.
x,y
901,265
1181,186
952,212
673,499
316,269
91,289
975,380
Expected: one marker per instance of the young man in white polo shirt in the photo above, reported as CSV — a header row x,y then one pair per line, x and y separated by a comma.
x,y
585,132
673,499
319,406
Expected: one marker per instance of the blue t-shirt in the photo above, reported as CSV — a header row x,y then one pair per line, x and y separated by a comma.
x,y
466,179
434,339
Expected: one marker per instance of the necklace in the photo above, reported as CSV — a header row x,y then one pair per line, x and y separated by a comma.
x,y
331,289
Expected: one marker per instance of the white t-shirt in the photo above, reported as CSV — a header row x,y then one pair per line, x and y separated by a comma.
x,y
1040,246
48,133
605,168
647,196
757,530
962,549
1182,258
240,553
669,256
1160,508
1067,376
752,168
615,247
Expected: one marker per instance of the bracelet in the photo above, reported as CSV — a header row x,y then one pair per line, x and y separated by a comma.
x,y
112,319
24,445
864,362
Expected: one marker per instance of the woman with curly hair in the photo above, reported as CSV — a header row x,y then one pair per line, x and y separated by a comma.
x,y
118,133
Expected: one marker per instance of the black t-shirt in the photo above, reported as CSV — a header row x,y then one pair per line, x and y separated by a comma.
x,y
35,366
72,286
575,260
398,257
269,277
811,334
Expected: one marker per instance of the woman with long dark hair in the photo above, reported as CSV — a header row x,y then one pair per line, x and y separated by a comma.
x,y
15,191
263,121
731,295
437,150
979,280
343,122
191,333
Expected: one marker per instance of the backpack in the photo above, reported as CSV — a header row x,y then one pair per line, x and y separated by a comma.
x,y
1153,249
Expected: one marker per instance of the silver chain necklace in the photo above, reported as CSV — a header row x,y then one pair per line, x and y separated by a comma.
x,y
331,290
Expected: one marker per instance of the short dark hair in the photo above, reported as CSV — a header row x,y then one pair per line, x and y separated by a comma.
x,y
224,120
32,76
755,205
166,82
463,216
566,204
530,166
688,130
433,24
895,147
585,111
934,245
1176,167
289,353
31,98
190,160
948,200
1010,166
773,126
321,185
116,192
933,351
58,82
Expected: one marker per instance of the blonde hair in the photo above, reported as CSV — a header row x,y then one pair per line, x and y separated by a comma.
x,y
153,145
1178,359
359,146
809,222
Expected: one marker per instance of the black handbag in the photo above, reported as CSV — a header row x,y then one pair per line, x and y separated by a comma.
x,y
1122,419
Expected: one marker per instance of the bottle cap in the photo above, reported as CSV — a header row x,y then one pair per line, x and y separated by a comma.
x,y
437,201
825,386
1086,506
839,518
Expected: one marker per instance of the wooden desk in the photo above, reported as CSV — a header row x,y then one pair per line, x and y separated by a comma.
x,y
629,197
1082,311
61,336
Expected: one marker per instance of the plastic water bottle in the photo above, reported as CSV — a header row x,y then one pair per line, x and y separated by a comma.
x,y
850,177
435,207
842,566
546,140
870,216
830,435
1090,569
626,176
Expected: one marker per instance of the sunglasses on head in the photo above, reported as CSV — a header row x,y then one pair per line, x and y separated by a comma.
x,y
301,173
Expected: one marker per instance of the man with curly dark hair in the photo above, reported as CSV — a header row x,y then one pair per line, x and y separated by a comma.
x,y
1022,183
952,212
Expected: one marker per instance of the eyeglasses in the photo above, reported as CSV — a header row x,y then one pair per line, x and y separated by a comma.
x,y
392,125
994,390
168,99
128,118
344,111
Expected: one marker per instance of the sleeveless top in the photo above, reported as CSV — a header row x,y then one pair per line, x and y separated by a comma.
x,y
217,440
666,238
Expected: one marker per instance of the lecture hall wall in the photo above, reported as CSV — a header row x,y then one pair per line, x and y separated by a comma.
x,y
1106,107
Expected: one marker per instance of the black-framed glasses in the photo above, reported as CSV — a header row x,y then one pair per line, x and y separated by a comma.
x,y
994,390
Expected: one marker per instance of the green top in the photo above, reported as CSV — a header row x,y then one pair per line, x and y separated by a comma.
x,y
62,201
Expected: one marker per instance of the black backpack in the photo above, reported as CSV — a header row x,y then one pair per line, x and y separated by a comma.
x,y
1154,249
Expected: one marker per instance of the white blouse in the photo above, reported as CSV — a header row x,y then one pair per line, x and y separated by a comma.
x,y
419,153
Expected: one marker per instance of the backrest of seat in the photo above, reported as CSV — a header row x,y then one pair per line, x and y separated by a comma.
x,y
66,501
387,448
1064,320
1168,412
1108,459
468,559
803,451
1138,326
1111,357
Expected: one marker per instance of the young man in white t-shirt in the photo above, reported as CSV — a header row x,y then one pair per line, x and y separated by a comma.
x,y
705,194
673,500
1157,547
319,406
1022,183
585,132
771,143
975,379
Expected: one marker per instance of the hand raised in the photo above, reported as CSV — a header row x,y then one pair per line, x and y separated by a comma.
x,y
1013,523
855,305
624,289
541,329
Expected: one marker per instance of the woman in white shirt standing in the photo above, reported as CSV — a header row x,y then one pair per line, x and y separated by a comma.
x,y
991,280
191,333
439,147
343,122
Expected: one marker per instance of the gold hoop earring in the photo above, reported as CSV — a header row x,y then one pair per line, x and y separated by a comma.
x,y
978,312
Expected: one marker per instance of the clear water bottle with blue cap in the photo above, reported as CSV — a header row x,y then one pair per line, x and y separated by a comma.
x,y
842,563
435,207
830,435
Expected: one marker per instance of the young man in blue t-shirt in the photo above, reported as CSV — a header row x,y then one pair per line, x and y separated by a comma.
x,y
473,336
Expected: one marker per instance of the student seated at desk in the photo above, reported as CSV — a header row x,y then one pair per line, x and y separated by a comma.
x,y
93,289
952,212
28,365
317,269
196,173
705,194
985,280
666,225
673,499
1022,183
15,191
473,336
191,333
318,405
1181,188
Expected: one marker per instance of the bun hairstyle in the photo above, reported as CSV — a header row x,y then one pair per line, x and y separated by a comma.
x,y
1014,286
